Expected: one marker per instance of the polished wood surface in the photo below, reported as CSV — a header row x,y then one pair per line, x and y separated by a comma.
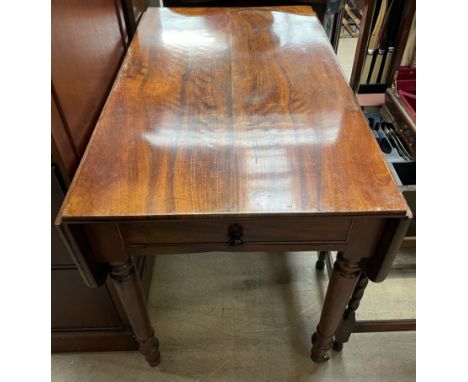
x,y
251,117
232,129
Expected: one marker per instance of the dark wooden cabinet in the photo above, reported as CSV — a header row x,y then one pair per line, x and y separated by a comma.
x,y
60,255
133,10
89,41
319,6
87,48
63,151
69,291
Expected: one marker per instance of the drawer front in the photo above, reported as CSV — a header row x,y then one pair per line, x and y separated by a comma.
x,y
249,231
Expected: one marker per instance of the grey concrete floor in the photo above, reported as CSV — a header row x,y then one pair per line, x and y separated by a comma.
x,y
345,54
249,317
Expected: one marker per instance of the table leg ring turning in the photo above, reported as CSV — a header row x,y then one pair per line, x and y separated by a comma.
x,y
342,282
128,286
150,349
320,347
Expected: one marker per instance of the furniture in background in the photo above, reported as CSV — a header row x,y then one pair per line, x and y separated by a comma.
x,y
89,41
394,127
319,6
269,157
383,37
393,100
351,20
132,11
329,12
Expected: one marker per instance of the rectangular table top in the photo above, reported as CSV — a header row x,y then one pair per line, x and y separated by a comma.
x,y
230,111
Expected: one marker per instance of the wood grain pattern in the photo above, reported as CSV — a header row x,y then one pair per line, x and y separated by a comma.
x,y
252,117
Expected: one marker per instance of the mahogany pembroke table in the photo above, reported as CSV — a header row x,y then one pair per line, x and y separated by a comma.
x,y
232,129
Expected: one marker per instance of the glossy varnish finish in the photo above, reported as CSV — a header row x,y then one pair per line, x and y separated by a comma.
x,y
223,111
232,129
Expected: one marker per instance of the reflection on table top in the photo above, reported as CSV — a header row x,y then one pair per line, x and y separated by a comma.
x,y
240,111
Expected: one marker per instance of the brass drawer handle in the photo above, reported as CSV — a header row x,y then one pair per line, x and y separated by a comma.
x,y
235,236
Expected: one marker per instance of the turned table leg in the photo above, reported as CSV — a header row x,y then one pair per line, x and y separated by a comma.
x,y
320,264
345,328
342,282
128,286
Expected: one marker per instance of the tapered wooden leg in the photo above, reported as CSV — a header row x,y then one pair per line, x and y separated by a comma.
x,y
342,282
128,286
320,264
345,328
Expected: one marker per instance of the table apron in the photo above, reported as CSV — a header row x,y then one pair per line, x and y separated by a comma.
x,y
168,249
357,238
249,231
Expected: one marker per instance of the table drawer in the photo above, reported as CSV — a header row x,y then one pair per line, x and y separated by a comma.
x,y
249,231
